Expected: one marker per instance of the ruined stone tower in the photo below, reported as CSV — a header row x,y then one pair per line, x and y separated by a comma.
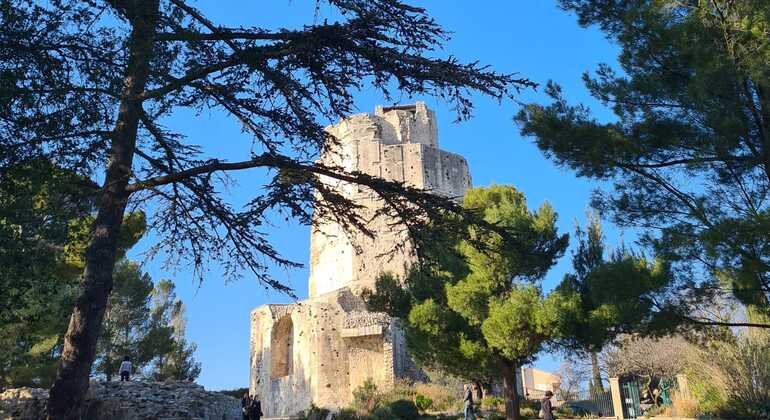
x,y
319,350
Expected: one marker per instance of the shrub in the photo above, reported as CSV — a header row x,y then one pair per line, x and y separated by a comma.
x,y
366,397
563,411
533,404
403,409
315,413
382,413
445,398
731,379
347,414
529,413
423,403
401,391
493,403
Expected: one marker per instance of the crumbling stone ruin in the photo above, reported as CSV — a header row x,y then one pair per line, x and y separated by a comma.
x,y
319,350
134,400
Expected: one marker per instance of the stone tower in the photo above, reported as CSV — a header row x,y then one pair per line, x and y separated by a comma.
x,y
319,350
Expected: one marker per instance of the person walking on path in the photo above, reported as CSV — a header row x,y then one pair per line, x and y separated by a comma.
x,y
245,405
125,369
468,399
255,408
546,407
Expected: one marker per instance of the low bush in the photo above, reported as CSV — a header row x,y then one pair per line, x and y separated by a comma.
x,y
444,397
315,413
529,413
403,409
423,403
366,397
533,404
347,414
493,403
563,411
731,379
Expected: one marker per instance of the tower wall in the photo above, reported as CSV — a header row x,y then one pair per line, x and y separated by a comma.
x,y
397,144
320,350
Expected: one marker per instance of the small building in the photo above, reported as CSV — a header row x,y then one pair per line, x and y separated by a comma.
x,y
535,382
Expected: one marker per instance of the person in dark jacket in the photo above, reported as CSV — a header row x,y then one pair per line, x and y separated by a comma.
x,y
245,405
468,413
545,406
255,408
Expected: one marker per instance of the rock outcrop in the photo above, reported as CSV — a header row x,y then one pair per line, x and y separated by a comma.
x,y
129,401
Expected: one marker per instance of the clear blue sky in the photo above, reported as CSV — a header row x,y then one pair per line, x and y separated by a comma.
x,y
533,38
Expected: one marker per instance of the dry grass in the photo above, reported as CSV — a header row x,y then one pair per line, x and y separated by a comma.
x,y
443,397
682,407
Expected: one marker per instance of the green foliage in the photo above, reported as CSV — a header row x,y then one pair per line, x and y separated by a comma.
x,y
731,379
687,148
125,325
422,402
477,308
172,356
517,325
348,414
529,413
389,296
467,322
565,411
444,397
493,403
366,397
145,322
401,409
315,413
45,224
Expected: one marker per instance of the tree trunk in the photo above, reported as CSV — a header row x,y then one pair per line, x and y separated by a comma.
x,y
510,394
69,389
478,391
596,374
486,389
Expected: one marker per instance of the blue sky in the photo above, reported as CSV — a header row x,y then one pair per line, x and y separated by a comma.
x,y
533,38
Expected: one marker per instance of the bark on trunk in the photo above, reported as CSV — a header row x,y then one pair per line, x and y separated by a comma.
x,y
486,389
478,391
510,394
597,376
69,389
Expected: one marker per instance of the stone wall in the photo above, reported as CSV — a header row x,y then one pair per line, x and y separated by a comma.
x,y
320,350
336,345
132,400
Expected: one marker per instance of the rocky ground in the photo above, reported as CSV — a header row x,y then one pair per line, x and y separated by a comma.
x,y
130,401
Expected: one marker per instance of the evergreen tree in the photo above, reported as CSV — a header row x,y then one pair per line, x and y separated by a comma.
x,y
126,321
478,312
689,148
603,297
45,224
172,355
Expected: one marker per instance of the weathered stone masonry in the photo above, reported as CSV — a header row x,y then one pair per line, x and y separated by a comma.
x,y
319,350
